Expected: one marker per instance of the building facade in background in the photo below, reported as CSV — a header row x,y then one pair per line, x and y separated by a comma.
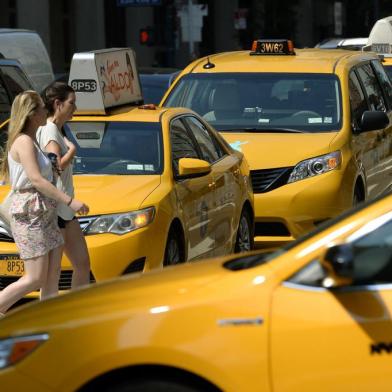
x,y
170,33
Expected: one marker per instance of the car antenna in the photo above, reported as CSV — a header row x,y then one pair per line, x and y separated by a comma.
x,y
208,65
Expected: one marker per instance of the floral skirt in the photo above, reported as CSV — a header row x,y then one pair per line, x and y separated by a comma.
x,y
34,223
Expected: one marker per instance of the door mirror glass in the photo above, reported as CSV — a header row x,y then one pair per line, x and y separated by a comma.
x,y
373,120
338,262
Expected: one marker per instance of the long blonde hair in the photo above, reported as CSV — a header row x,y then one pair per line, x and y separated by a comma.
x,y
24,106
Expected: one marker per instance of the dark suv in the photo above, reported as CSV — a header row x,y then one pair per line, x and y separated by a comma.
x,y
13,80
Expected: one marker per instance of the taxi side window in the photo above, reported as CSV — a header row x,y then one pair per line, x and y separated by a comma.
x,y
15,80
357,100
3,136
209,148
4,99
182,145
384,81
5,104
372,87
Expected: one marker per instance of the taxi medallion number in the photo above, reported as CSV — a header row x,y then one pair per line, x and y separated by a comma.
x,y
11,265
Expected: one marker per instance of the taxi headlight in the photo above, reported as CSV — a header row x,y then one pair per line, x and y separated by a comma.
x,y
315,166
13,350
121,223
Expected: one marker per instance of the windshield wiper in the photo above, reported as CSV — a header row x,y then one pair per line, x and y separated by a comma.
x,y
263,130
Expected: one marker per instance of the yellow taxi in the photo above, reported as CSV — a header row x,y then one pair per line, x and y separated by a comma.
x,y
314,125
162,186
312,316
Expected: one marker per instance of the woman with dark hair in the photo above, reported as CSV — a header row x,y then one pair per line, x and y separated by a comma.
x,y
34,198
59,99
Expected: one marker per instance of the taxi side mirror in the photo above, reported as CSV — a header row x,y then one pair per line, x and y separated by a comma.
x,y
373,120
338,262
192,168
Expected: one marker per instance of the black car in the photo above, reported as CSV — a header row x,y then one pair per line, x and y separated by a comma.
x,y
155,82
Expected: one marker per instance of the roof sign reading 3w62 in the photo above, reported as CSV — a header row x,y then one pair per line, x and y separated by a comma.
x,y
272,47
84,85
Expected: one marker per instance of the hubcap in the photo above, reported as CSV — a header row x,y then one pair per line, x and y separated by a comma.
x,y
173,253
243,239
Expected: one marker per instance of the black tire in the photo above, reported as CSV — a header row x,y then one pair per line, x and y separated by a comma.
x,y
244,239
151,386
173,252
357,198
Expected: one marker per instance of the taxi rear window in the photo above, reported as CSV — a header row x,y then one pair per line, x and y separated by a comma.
x,y
262,101
118,148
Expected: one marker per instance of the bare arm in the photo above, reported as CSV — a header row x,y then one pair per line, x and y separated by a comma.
x,y
66,159
25,152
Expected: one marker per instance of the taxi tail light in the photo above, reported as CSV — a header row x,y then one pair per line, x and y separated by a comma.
x,y
254,46
290,46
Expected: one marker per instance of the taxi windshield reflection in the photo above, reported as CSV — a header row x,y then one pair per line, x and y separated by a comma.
x,y
235,101
118,148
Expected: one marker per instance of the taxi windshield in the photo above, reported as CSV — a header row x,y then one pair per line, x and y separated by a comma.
x,y
119,148
262,101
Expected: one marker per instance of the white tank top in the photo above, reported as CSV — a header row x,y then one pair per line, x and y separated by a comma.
x,y
18,177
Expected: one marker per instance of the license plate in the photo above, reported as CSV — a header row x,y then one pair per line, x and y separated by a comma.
x,y
11,265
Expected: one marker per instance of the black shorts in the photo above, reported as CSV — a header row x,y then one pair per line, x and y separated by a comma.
x,y
62,222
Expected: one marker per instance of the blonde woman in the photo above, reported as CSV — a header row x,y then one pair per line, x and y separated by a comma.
x,y
59,99
34,201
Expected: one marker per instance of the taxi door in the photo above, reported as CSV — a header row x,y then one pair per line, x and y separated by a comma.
x,y
336,339
386,135
369,146
228,197
195,196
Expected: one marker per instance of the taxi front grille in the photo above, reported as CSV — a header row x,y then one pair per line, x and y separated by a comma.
x,y
266,180
64,282
271,229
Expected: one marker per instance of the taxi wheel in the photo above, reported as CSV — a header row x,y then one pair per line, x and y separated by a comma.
x,y
358,197
173,252
244,240
152,386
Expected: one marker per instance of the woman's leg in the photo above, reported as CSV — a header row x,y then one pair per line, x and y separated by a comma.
x,y
51,285
35,275
76,250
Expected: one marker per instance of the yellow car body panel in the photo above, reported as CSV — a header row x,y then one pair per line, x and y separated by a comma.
x,y
291,209
387,63
233,328
223,194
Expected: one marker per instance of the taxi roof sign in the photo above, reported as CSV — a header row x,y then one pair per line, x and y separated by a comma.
x,y
272,47
104,79
380,37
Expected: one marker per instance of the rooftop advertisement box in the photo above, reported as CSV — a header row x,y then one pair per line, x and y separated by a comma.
x,y
104,79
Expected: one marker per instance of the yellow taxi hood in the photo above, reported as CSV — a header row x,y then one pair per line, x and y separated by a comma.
x,y
266,150
111,194
184,286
